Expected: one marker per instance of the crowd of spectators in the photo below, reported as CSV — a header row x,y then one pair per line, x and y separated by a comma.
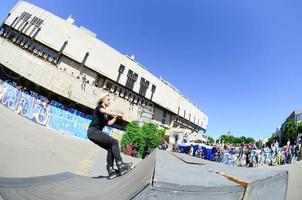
x,y
247,155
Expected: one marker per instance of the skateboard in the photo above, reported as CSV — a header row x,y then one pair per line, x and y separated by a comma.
x,y
118,174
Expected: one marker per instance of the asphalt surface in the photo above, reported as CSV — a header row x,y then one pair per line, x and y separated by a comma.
x,y
294,191
31,150
28,149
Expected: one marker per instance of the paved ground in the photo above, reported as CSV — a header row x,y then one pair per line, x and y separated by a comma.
x,y
28,149
294,180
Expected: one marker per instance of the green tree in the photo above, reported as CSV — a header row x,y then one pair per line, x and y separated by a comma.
x,y
211,140
270,140
249,140
133,136
228,139
143,139
242,139
151,137
299,127
161,133
258,144
290,131
238,140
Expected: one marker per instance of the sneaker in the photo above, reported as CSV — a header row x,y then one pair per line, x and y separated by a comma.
x,y
112,173
123,168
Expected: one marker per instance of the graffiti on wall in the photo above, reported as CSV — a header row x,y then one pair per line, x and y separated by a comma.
x,y
53,115
68,120
114,132
24,104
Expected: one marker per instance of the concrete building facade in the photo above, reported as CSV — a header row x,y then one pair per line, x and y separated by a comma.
x,y
71,62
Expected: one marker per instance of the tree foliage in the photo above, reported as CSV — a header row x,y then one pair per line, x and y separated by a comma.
x,y
151,137
132,136
211,140
143,139
161,134
290,131
270,140
300,127
230,139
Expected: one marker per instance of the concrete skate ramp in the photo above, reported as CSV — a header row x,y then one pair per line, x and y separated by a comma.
x,y
71,186
258,183
162,175
175,179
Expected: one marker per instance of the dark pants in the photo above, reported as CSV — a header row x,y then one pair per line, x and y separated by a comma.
x,y
105,141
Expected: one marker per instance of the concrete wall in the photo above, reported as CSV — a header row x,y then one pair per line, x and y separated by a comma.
x,y
103,59
58,80
52,115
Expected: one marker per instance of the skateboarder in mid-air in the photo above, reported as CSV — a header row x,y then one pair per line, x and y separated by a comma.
x,y
102,139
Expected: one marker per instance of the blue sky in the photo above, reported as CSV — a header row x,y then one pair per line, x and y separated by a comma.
x,y
240,61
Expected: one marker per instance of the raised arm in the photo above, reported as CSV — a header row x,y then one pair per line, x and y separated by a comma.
x,y
109,112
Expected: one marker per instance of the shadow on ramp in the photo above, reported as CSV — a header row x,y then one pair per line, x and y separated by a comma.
x,y
162,175
71,186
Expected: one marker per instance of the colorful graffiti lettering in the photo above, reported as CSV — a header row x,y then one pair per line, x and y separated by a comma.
x,y
114,132
54,115
24,104
69,120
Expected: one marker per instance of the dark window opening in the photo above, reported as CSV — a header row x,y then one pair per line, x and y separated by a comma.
x,y
121,69
115,89
144,86
132,77
163,120
36,48
108,85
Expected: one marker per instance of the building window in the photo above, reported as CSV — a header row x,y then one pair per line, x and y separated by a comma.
x,y
39,50
138,100
184,113
132,77
25,16
144,86
121,69
163,120
115,88
134,99
108,85
36,21
178,110
152,91
120,92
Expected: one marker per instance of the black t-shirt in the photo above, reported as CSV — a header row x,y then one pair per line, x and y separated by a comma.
x,y
99,119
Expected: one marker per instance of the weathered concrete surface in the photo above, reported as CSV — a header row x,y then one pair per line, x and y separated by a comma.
x,y
161,175
259,184
294,179
29,150
71,186
189,181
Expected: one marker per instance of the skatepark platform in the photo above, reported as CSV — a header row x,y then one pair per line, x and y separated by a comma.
x,y
39,163
162,175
